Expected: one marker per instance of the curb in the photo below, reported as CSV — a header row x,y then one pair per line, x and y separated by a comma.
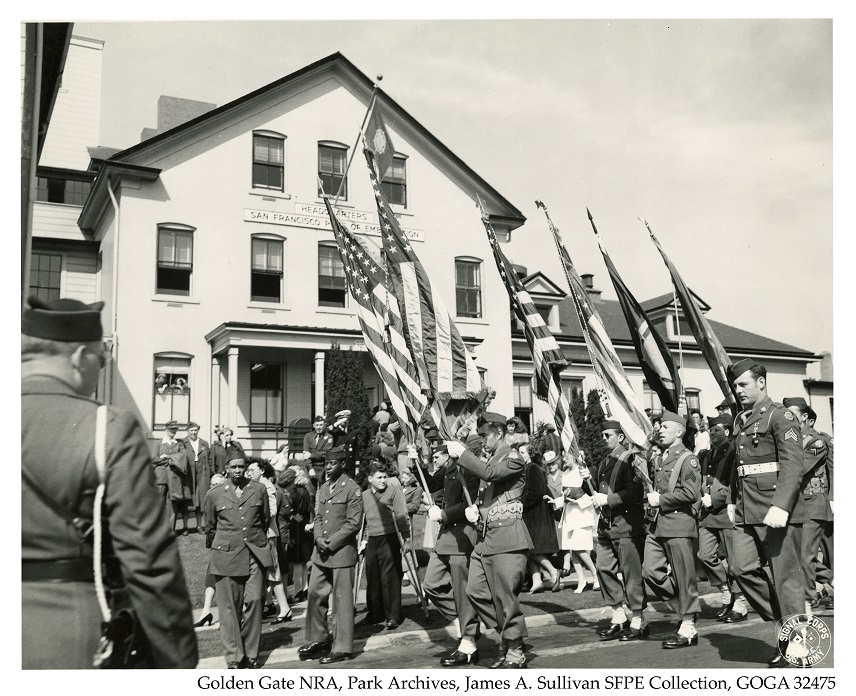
x,y
449,632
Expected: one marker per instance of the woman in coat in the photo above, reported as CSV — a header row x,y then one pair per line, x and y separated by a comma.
x,y
172,453
538,517
199,456
300,540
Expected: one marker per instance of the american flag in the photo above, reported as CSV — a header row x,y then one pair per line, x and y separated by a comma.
x,y
547,357
444,363
380,320
712,350
622,403
656,360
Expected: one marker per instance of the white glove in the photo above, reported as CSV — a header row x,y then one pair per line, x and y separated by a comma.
x,y
472,514
411,451
776,518
654,499
455,448
832,506
730,509
705,500
435,513
584,472
600,499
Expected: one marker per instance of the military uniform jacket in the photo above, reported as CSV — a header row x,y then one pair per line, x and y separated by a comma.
x,y
344,439
457,537
338,516
58,448
502,531
817,483
716,467
623,515
677,517
768,433
237,527
317,445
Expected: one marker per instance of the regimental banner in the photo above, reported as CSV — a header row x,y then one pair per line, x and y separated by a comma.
x,y
315,216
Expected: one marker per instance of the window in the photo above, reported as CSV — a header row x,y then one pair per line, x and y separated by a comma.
x,y
468,288
171,390
269,161
266,273
266,397
58,189
332,163
544,312
331,276
175,260
394,184
693,398
651,400
569,386
523,400
45,275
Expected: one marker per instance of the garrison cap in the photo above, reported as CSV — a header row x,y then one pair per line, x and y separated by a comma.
x,y
318,419
235,453
432,434
441,449
70,321
344,413
171,425
720,420
795,401
674,417
741,366
491,417
336,454
810,413
611,425
724,404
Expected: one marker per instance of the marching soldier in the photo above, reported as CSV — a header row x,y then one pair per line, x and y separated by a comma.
x,y
816,487
620,536
677,482
715,529
445,581
498,562
338,516
825,575
766,501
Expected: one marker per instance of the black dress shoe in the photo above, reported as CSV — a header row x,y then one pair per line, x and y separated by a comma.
x,y
252,663
507,664
722,613
207,619
313,651
392,624
234,665
679,641
633,634
734,617
777,660
335,657
613,630
557,584
459,659
497,663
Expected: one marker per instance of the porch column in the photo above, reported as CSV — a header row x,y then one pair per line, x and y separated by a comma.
x,y
319,384
233,390
214,411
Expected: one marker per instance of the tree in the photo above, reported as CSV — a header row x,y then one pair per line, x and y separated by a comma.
x,y
591,436
345,389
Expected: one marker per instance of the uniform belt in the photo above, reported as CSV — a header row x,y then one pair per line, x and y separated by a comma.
x,y
504,511
61,569
752,469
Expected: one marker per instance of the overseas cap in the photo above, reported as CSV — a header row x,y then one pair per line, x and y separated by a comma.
x,y
171,425
64,320
336,454
741,366
318,419
235,453
795,401
674,417
491,417
720,420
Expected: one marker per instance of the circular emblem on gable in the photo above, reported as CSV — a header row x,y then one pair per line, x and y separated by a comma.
x,y
804,640
379,141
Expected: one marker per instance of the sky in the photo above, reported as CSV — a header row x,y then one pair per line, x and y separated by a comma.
x,y
718,132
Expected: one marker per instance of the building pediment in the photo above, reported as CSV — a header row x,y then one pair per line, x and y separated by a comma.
x,y
539,285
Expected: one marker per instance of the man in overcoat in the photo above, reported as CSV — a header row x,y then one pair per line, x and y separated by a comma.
x,y
236,522
498,562
315,447
338,517
61,358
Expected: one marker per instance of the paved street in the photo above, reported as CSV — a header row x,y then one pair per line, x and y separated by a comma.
x,y
563,640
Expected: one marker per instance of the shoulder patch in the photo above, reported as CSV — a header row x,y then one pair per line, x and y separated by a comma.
x,y
514,454
791,435
789,416
694,463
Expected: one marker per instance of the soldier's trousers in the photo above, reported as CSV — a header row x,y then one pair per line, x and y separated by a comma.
x,y
445,584
681,582
712,543
755,545
812,536
493,586
623,556
241,631
825,568
339,581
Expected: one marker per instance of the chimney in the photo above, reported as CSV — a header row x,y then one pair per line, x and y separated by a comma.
x,y
588,282
173,111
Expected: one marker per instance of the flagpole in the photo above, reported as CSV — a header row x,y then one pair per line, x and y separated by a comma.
x,y
359,135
